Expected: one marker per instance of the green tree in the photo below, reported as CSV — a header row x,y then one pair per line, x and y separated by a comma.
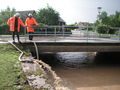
x,y
111,20
107,22
116,20
6,14
48,16
103,17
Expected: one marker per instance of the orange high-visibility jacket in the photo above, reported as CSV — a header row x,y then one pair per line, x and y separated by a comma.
x,y
29,22
11,23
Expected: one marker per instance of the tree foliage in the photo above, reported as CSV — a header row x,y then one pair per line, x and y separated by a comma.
x,y
6,14
115,19
111,20
48,16
106,21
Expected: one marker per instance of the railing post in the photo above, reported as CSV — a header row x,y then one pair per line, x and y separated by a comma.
x,y
63,30
95,27
45,31
79,29
94,32
119,34
55,34
87,33
97,33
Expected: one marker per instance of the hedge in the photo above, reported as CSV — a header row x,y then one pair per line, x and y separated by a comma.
x,y
4,30
104,29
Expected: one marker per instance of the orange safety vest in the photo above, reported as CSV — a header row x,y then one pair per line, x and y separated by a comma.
x,y
11,23
29,22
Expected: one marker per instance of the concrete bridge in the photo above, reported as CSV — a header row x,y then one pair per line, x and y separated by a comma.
x,y
71,45
78,41
74,47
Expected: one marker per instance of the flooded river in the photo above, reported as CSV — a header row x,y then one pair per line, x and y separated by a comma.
x,y
86,70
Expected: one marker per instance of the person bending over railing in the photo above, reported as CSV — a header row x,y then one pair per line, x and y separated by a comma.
x,y
29,22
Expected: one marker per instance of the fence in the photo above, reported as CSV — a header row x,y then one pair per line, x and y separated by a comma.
x,y
69,34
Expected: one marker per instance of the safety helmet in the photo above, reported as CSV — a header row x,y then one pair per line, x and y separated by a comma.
x,y
17,14
30,15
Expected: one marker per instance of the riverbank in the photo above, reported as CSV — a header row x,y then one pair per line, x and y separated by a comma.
x,y
16,75
11,74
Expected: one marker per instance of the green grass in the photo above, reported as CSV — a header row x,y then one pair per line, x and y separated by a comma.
x,y
11,73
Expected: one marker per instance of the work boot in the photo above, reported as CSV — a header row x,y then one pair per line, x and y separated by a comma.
x,y
13,41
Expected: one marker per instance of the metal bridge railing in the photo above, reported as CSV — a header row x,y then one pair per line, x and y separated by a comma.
x,y
74,33
68,34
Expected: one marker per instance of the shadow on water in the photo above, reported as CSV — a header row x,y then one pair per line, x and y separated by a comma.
x,y
68,59
48,58
107,58
79,59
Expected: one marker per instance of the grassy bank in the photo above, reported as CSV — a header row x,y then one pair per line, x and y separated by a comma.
x,y
11,75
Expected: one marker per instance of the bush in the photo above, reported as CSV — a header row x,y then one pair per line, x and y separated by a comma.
x,y
90,29
103,29
72,28
4,30
42,24
113,31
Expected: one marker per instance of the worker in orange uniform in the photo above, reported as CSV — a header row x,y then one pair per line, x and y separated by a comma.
x,y
30,21
14,23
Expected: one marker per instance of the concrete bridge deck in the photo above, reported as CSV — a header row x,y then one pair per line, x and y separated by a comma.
x,y
71,44
75,47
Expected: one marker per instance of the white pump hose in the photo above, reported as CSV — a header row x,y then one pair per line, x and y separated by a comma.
x,y
18,50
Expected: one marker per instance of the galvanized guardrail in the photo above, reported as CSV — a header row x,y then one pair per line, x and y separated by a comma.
x,y
69,33
86,33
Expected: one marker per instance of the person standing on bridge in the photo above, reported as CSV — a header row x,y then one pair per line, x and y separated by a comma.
x,y
14,24
30,21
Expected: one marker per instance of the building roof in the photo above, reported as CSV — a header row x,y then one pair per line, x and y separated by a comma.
x,y
61,20
26,12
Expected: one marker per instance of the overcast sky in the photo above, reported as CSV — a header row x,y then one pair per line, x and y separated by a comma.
x,y
70,10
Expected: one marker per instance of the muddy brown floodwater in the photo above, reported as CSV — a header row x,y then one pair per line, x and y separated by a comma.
x,y
91,76
79,72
